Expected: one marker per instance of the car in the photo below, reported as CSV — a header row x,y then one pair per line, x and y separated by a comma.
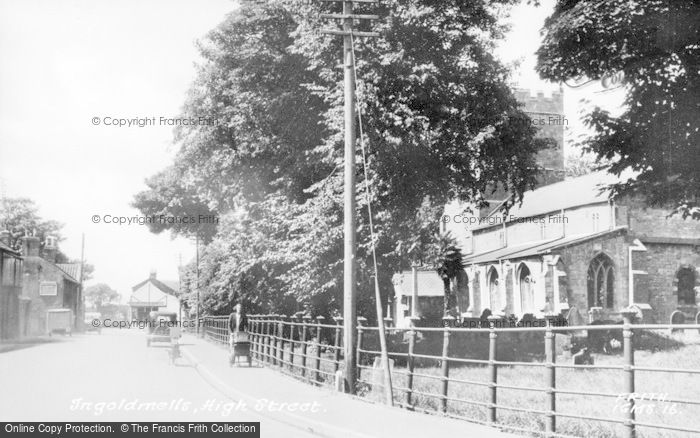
x,y
90,324
159,327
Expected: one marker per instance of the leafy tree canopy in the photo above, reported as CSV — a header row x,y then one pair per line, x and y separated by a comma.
x,y
654,43
20,217
440,123
99,295
170,195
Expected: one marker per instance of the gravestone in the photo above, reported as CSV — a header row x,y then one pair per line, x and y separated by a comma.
x,y
377,377
677,317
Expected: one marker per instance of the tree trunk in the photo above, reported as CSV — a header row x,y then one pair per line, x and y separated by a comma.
x,y
446,284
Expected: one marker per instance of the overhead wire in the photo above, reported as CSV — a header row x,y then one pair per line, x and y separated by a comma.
x,y
365,166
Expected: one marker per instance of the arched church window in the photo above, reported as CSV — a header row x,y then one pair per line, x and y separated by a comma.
x,y
527,294
494,294
601,282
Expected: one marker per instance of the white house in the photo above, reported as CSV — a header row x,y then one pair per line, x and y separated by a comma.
x,y
154,295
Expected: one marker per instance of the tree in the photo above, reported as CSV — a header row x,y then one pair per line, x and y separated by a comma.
x,y
20,217
168,196
244,264
447,259
440,123
100,295
583,164
439,250
88,269
654,45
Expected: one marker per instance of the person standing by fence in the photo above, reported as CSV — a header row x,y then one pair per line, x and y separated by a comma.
x,y
239,343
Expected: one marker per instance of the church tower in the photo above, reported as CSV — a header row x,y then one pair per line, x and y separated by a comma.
x,y
547,114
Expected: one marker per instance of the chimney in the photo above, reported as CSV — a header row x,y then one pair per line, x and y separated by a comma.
x,y
5,237
50,249
30,246
152,275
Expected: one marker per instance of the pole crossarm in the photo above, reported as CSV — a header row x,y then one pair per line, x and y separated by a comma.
x,y
353,16
350,33
348,18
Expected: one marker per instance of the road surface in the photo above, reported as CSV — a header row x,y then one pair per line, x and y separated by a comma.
x,y
114,377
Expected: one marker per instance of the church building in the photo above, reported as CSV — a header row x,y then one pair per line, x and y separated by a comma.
x,y
571,249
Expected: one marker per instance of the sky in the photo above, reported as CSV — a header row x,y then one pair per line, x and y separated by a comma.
x,y
519,48
67,62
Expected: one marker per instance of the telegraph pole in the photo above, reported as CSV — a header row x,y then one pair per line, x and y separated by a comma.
x,y
81,295
179,286
197,267
350,220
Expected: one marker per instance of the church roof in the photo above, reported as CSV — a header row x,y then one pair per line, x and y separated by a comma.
x,y
536,248
570,193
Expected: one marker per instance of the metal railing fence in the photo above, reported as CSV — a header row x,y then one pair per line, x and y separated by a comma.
x,y
312,350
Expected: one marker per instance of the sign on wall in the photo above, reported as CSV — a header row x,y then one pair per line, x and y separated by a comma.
x,y
48,288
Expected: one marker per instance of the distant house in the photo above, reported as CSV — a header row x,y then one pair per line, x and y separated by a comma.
x,y
47,286
11,305
154,295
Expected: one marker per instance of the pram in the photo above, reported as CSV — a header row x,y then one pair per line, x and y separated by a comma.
x,y
239,345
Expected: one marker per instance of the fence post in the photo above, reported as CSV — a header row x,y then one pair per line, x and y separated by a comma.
x,y
279,352
222,334
251,328
493,371
262,326
258,338
268,337
447,323
628,354
278,338
550,358
317,367
336,343
304,345
275,339
280,344
411,361
292,342
361,320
